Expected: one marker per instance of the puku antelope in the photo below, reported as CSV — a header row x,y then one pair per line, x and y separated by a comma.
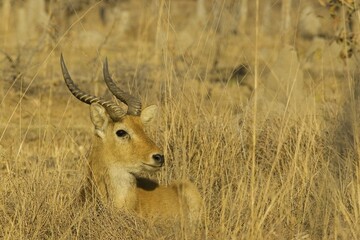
x,y
121,150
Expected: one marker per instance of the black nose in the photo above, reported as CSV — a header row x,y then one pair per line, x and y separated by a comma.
x,y
159,158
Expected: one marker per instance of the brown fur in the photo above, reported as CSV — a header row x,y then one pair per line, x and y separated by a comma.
x,y
115,162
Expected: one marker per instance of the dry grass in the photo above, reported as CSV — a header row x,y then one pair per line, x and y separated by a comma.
x,y
277,171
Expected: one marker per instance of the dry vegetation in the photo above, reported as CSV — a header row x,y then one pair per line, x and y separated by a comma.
x,y
280,162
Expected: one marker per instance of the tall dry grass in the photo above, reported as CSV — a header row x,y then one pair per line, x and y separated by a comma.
x,y
282,174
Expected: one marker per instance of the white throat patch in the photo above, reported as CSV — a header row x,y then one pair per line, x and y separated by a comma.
x,y
123,183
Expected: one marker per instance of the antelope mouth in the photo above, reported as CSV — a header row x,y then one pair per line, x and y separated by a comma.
x,y
152,166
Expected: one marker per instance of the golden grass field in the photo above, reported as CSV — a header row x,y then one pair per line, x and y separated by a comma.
x,y
274,150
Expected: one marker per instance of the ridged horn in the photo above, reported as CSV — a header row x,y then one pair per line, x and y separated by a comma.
x,y
114,111
133,103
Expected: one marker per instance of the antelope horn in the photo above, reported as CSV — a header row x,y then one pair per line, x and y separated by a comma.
x,y
112,109
133,103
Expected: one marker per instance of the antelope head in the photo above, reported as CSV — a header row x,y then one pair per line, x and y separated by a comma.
x,y
120,139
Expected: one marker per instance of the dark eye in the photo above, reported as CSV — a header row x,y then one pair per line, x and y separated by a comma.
x,y
121,133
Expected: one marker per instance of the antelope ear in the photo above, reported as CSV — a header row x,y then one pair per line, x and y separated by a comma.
x,y
148,114
99,118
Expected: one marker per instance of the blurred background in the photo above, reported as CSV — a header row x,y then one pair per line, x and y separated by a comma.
x,y
217,41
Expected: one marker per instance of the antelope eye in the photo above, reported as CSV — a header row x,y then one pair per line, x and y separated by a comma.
x,y
121,133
